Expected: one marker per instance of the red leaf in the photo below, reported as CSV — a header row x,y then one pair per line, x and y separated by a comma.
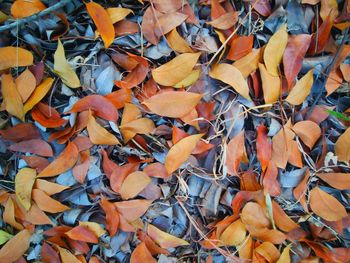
x,y
263,147
35,146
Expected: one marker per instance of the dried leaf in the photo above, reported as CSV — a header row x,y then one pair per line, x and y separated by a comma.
x,y
9,214
46,203
171,73
285,257
234,234
225,21
308,131
234,153
140,126
64,69
268,251
38,94
263,147
118,13
230,75
177,43
24,8
14,57
164,239
49,187
180,152
301,89
15,247
102,21
141,254
98,134
66,256
112,216
173,104
253,215
26,84
11,97
326,206
270,183
21,132
133,184
189,80
24,182
82,233
35,146
62,163
240,47
248,63
271,85
339,181
274,50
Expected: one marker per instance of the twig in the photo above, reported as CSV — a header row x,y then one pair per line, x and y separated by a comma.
x,y
31,18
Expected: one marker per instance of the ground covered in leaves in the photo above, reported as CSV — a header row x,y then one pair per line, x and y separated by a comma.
x,y
174,131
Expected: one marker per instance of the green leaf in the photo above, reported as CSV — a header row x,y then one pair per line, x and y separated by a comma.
x,y
4,236
338,115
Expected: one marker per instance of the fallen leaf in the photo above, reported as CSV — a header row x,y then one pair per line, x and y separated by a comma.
x,y
329,7
341,148
82,233
112,216
9,214
133,209
48,254
225,21
167,22
282,220
66,160
140,126
64,69
268,251
345,70
66,256
285,256
24,8
133,184
11,97
24,182
15,57
301,90
141,254
34,146
308,131
279,146
171,73
98,134
334,81
234,153
21,132
263,147
326,206
274,50
189,80
299,192
49,187
38,94
15,247
25,84
102,21
164,239
320,38
4,237
249,63
230,75
253,215
118,13
339,181
46,203
234,234
271,85
270,182
180,152
240,47
177,43
94,227
173,104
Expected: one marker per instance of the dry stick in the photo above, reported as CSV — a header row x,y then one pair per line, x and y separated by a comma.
x,y
31,18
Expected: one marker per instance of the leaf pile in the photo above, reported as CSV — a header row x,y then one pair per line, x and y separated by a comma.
x,y
174,131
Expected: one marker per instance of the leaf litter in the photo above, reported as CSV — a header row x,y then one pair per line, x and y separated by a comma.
x,y
174,131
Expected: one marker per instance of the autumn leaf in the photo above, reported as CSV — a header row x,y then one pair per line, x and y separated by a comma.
x,y
234,153
15,57
46,203
38,94
4,237
49,187
118,13
140,126
102,21
98,134
26,84
308,131
164,239
271,85
180,152
177,43
240,47
64,69
263,147
133,184
62,163
24,182
23,8
189,80
274,50
230,75
326,206
15,247
301,90
12,98
35,146
285,256
173,104
268,251
342,149
339,181
142,254
225,21
234,234
66,256
112,216
9,214
249,63
171,73
82,233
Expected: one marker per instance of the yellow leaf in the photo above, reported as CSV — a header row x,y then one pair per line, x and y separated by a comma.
x,y
171,73
94,227
140,126
274,50
102,21
301,89
14,57
189,80
268,251
271,85
49,187
66,256
342,149
133,184
12,98
118,13
177,43
38,94
285,257
230,75
98,134
173,104
234,234
180,152
164,239
248,63
24,182
64,69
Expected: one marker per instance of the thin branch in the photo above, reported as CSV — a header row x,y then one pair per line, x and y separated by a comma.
x,y
31,18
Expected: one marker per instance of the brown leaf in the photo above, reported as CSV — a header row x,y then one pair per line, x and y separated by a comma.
x,y
240,47
253,215
270,182
46,203
321,36
98,134
66,160
112,216
300,191
11,97
339,181
225,21
326,206
35,146
263,147
133,209
15,247
82,233
234,234
167,22
282,220
279,146
14,57
102,21
308,131
268,251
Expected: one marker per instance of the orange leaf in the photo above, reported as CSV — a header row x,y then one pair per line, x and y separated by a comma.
x,y
268,251
308,131
326,206
46,203
340,181
119,97
141,254
133,184
334,81
35,146
234,153
66,160
271,85
240,47
300,191
263,147
9,214
279,146
321,36
82,233
282,220
140,126
38,94
172,72
119,173
98,134
21,132
248,63
133,209
156,170
285,257
24,8
112,216
234,234
253,215
164,239
24,182
26,84
177,43
14,57
81,168
102,21
49,187
94,102
230,75
15,247
274,50
342,149
48,254
12,98
225,21
167,22
117,13
270,183
301,89
345,70
66,256
180,152
173,104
